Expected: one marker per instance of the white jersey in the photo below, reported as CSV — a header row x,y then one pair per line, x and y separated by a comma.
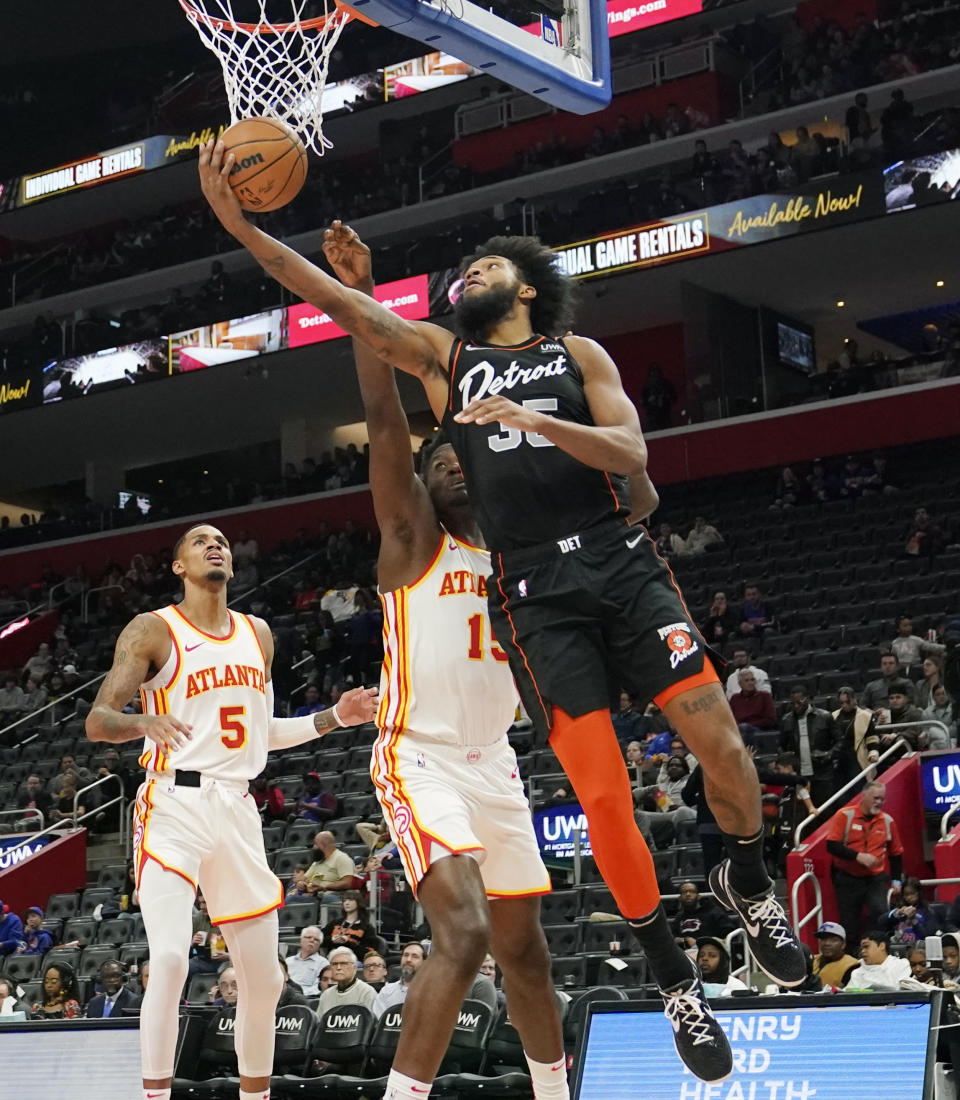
x,y
443,674
217,686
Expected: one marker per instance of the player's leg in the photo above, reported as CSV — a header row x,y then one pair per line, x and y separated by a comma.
x,y
702,717
253,952
455,905
520,948
166,904
589,753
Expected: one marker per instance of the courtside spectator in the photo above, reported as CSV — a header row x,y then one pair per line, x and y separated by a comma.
x,y
36,940
701,538
741,661
11,931
314,804
348,988
756,615
312,703
908,648
115,999
854,736
713,959
374,971
226,992
305,966
807,732
866,848
753,709
8,999
878,969
832,963
876,694
721,622
60,999
911,919
395,993
331,872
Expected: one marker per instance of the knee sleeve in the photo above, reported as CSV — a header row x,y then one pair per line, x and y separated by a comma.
x,y
253,952
589,753
166,903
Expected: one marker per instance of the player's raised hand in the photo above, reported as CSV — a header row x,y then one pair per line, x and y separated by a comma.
x,y
357,706
503,411
348,256
164,730
214,166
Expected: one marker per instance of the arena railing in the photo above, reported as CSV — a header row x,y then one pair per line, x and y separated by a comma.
x,y
866,773
96,810
815,913
23,813
945,820
85,598
52,705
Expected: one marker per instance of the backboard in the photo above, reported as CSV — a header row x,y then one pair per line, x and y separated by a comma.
x,y
563,58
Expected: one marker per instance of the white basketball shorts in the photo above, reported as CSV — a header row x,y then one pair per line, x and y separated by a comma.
x,y
441,800
210,835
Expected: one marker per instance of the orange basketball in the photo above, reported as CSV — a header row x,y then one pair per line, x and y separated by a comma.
x,y
271,163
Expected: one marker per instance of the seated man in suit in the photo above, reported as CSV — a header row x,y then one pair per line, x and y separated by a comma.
x,y
115,996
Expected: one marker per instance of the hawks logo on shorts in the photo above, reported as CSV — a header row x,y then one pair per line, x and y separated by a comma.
x,y
679,642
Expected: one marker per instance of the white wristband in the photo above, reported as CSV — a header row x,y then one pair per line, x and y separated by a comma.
x,y
336,714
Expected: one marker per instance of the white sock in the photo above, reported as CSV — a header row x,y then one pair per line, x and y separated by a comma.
x,y
156,1094
549,1079
400,1087
255,1095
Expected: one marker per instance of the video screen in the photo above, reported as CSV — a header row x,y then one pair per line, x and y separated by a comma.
x,y
225,341
781,1050
795,348
107,369
143,502
87,1062
922,181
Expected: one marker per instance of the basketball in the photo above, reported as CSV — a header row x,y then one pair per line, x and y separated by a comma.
x,y
270,166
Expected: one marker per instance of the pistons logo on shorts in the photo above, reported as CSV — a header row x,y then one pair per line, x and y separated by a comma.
x,y
401,819
679,642
474,756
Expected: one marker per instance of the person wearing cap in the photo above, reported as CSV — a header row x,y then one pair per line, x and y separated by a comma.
x,y
36,940
832,964
713,959
11,931
866,848
315,804
879,969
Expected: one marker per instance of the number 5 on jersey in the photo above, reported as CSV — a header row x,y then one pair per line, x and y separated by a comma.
x,y
475,652
234,735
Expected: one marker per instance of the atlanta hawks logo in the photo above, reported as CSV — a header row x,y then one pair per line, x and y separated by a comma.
x,y
679,642
401,819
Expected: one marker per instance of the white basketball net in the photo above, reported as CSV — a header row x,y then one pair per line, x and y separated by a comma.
x,y
273,70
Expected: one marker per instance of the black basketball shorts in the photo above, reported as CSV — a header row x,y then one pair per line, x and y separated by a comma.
x,y
584,617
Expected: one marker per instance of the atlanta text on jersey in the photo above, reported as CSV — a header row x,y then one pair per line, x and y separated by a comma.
x,y
210,679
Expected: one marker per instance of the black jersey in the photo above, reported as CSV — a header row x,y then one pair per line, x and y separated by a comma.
x,y
524,489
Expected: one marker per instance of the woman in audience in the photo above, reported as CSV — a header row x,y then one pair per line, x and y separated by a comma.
x,y
352,929
61,1001
721,623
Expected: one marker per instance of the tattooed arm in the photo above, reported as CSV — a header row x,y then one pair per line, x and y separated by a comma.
x,y
143,645
413,346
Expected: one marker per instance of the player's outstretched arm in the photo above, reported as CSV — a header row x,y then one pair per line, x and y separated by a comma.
x,y
614,441
144,643
355,707
416,347
400,500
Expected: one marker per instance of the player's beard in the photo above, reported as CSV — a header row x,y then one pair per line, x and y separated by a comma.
x,y
477,313
217,575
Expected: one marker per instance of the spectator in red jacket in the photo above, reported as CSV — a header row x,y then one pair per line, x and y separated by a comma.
x,y
268,798
754,710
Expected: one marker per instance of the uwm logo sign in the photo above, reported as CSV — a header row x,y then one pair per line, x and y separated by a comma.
x,y
469,1021
342,1023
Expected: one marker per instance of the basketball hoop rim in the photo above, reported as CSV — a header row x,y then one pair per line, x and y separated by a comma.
x,y
199,15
